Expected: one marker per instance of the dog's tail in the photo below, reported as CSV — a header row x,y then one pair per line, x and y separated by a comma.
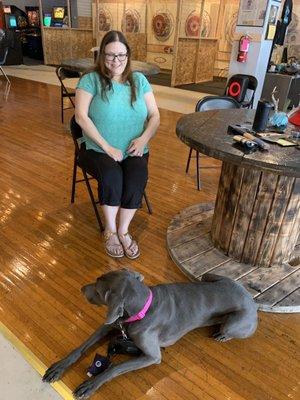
x,y
212,277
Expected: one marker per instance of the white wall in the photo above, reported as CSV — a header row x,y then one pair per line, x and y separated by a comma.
x,y
258,56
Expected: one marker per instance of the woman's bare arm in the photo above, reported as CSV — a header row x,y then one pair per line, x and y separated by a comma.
x,y
82,103
136,147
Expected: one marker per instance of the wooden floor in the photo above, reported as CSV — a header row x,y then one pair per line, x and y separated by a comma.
x,y
50,248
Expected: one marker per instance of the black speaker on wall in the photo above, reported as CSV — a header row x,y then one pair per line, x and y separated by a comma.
x,y
237,87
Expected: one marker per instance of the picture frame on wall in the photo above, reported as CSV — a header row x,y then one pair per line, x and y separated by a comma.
x,y
271,29
252,13
273,14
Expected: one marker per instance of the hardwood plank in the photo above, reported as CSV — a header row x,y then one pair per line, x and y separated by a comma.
x,y
274,221
263,201
181,220
232,194
183,235
281,290
261,279
292,298
233,270
208,260
192,248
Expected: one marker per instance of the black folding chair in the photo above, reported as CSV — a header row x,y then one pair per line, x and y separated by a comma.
x,y
4,48
251,84
66,73
76,132
205,104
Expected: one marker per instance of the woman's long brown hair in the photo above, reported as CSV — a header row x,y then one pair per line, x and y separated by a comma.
x,y
103,71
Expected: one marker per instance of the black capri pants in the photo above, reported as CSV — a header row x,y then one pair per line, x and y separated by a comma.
x,y
119,183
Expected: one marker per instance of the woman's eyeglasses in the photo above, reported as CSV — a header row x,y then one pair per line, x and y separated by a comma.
x,y
120,57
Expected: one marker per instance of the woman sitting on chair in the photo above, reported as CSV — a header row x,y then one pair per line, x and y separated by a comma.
x,y
118,114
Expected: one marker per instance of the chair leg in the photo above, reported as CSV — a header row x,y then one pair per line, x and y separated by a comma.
x,y
74,178
148,203
8,84
62,105
7,90
188,161
93,201
198,170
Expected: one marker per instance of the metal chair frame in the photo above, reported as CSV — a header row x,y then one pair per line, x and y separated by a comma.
x,y
199,105
76,135
8,82
66,73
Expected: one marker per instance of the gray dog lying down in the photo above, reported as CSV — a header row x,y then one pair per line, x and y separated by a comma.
x,y
174,310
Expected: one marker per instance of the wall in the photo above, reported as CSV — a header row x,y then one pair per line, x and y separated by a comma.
x,y
258,55
225,33
84,8
48,4
21,3
292,40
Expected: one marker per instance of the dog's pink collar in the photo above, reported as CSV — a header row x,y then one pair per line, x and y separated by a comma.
x,y
141,314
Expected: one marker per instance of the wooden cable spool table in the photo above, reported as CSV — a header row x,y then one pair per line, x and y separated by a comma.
x,y
251,234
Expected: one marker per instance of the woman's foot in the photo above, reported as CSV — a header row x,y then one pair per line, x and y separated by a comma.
x,y
113,247
130,246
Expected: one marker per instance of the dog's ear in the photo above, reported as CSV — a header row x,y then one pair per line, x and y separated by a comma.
x,y
115,305
135,274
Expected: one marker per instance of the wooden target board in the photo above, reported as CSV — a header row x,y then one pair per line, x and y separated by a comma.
x,y
134,17
161,23
190,19
226,30
109,16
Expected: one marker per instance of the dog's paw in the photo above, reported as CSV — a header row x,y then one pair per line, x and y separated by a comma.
x,y
85,390
54,372
219,337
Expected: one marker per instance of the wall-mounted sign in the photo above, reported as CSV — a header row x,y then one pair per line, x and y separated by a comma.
x,y
252,12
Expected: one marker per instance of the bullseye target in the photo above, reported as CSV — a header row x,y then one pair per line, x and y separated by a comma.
x,y
131,22
104,20
192,25
162,25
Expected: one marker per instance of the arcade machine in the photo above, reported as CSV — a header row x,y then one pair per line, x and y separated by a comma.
x,y
13,19
26,26
33,34
59,17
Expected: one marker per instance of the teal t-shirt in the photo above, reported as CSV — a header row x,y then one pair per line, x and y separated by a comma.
x,y
117,121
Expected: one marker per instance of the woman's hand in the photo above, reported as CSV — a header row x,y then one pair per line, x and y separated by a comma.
x,y
136,147
114,153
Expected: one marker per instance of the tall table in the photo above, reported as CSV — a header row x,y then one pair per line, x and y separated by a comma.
x,y
251,234
82,64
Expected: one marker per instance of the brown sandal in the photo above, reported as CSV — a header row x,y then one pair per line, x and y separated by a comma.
x,y
129,252
113,249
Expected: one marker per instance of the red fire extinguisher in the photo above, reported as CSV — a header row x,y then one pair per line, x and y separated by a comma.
x,y
244,45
